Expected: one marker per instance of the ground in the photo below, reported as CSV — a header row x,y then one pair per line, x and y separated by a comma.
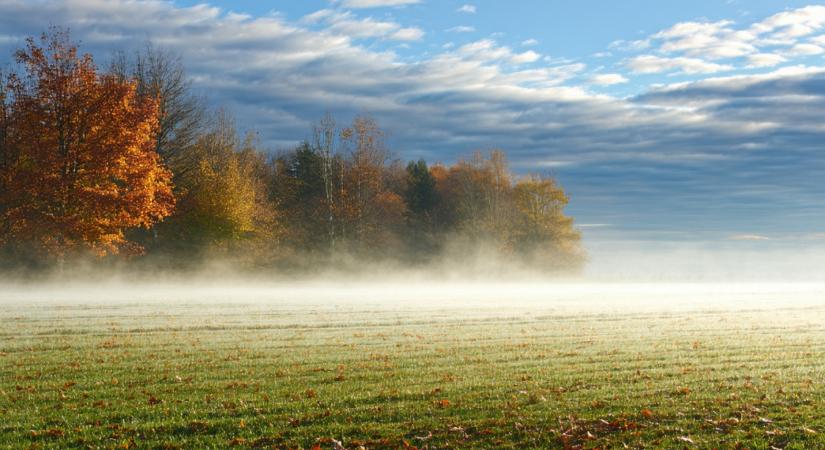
x,y
402,366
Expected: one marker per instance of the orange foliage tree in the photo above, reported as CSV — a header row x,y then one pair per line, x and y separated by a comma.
x,y
78,160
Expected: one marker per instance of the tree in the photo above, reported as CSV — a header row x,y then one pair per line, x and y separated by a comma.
x,y
420,194
476,194
160,75
370,212
299,187
79,163
421,198
223,202
541,231
324,134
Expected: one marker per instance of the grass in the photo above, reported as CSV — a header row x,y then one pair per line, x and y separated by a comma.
x,y
286,372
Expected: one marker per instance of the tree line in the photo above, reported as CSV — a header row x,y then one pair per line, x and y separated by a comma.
x,y
127,163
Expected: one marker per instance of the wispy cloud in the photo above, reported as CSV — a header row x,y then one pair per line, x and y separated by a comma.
x,y
346,23
357,4
658,64
749,237
764,60
608,79
461,29
699,47
467,8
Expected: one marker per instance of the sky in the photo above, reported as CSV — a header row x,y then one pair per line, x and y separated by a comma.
x,y
694,122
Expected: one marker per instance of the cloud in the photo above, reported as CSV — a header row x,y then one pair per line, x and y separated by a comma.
x,y
526,57
347,24
468,9
608,79
627,46
461,29
749,237
657,64
697,47
530,42
792,24
489,50
805,50
358,4
708,40
764,60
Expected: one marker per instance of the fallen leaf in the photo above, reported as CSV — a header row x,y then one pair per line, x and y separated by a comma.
x,y
686,439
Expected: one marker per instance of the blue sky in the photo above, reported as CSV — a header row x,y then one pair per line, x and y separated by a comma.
x,y
698,122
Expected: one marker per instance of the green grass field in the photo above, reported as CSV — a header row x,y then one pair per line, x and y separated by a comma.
x,y
384,368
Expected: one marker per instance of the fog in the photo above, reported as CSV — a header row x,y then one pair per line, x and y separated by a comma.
x,y
618,276
796,261
476,297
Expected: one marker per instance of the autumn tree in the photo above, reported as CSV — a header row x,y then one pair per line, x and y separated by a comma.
x,y
369,211
476,193
223,202
541,232
79,162
182,116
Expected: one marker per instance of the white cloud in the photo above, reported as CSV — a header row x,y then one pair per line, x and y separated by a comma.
x,y
608,79
818,40
805,50
749,237
468,9
347,24
357,4
764,60
530,42
461,29
526,57
627,46
792,24
706,40
408,34
706,47
656,64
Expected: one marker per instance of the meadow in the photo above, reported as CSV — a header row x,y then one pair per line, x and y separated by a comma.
x,y
412,366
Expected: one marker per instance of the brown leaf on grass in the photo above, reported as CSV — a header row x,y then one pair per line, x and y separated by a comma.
x,y
443,403
238,441
310,393
647,413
